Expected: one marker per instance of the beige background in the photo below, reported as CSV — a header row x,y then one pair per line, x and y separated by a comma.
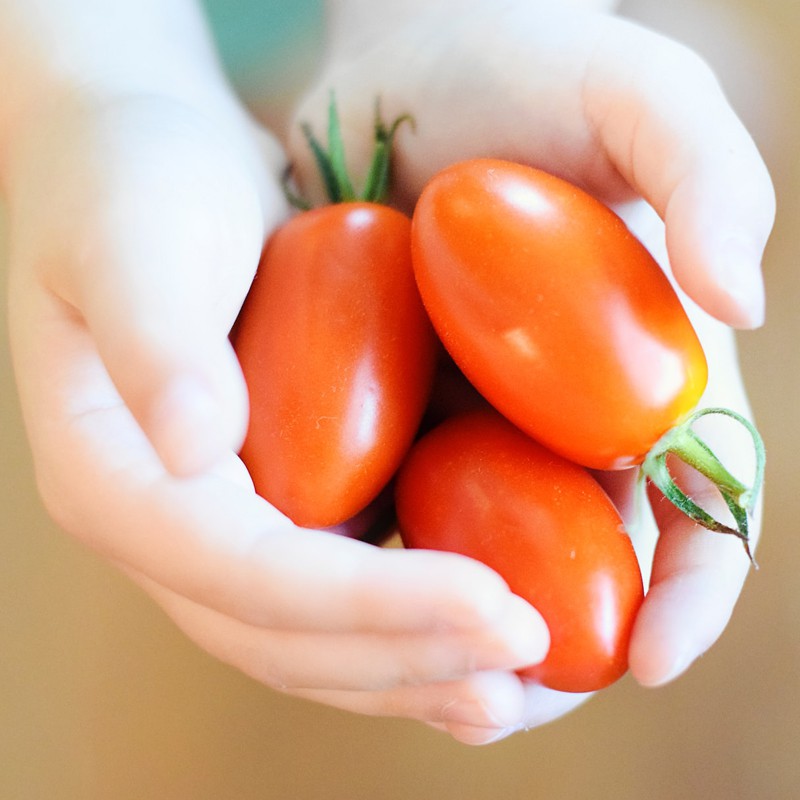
x,y
100,698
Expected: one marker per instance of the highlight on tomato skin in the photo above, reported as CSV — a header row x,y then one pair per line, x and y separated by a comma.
x,y
478,486
555,312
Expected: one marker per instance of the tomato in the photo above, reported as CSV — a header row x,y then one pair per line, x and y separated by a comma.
x,y
478,486
338,355
555,311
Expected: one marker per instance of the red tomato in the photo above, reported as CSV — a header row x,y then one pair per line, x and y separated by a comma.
x,y
478,486
338,355
555,311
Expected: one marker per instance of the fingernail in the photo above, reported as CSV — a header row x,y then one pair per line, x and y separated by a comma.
x,y
504,734
478,736
523,632
681,661
496,700
738,270
477,713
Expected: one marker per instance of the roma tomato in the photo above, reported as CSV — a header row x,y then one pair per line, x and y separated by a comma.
x,y
338,355
478,486
555,311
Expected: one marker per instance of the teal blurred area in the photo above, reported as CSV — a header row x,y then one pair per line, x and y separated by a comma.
x,y
269,49
251,32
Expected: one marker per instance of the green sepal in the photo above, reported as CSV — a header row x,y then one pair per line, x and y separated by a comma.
x,y
376,186
345,192
324,165
332,165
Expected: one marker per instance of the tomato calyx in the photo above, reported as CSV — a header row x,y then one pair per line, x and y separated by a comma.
x,y
683,443
332,165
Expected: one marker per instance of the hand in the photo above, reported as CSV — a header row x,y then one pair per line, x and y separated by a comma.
x,y
137,221
639,121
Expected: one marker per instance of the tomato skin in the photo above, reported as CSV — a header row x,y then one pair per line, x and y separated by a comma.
x,y
555,311
338,356
478,486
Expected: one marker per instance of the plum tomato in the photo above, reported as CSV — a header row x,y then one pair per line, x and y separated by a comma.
x,y
478,486
338,355
555,312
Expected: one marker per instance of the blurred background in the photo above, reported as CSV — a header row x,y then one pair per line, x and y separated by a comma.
x,y
101,698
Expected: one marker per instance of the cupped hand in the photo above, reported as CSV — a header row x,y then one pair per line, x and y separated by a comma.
x,y
641,122
136,224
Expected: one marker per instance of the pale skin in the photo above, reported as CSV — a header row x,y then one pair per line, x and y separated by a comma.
x,y
140,193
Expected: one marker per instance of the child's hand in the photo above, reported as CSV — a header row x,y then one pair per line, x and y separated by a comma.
x,y
136,221
626,114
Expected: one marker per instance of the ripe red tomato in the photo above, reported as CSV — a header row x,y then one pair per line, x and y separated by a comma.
x,y
338,355
555,311
478,486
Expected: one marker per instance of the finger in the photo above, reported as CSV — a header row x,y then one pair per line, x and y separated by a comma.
x,y
696,580
145,291
662,117
474,710
543,705
286,659
220,545
697,575
157,240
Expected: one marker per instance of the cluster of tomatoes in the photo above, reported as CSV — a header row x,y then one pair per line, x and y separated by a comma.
x,y
476,359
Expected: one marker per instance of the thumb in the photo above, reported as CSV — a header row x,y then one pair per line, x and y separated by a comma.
x,y
674,137
162,244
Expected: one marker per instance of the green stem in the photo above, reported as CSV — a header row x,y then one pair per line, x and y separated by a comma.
x,y
683,443
345,192
332,165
